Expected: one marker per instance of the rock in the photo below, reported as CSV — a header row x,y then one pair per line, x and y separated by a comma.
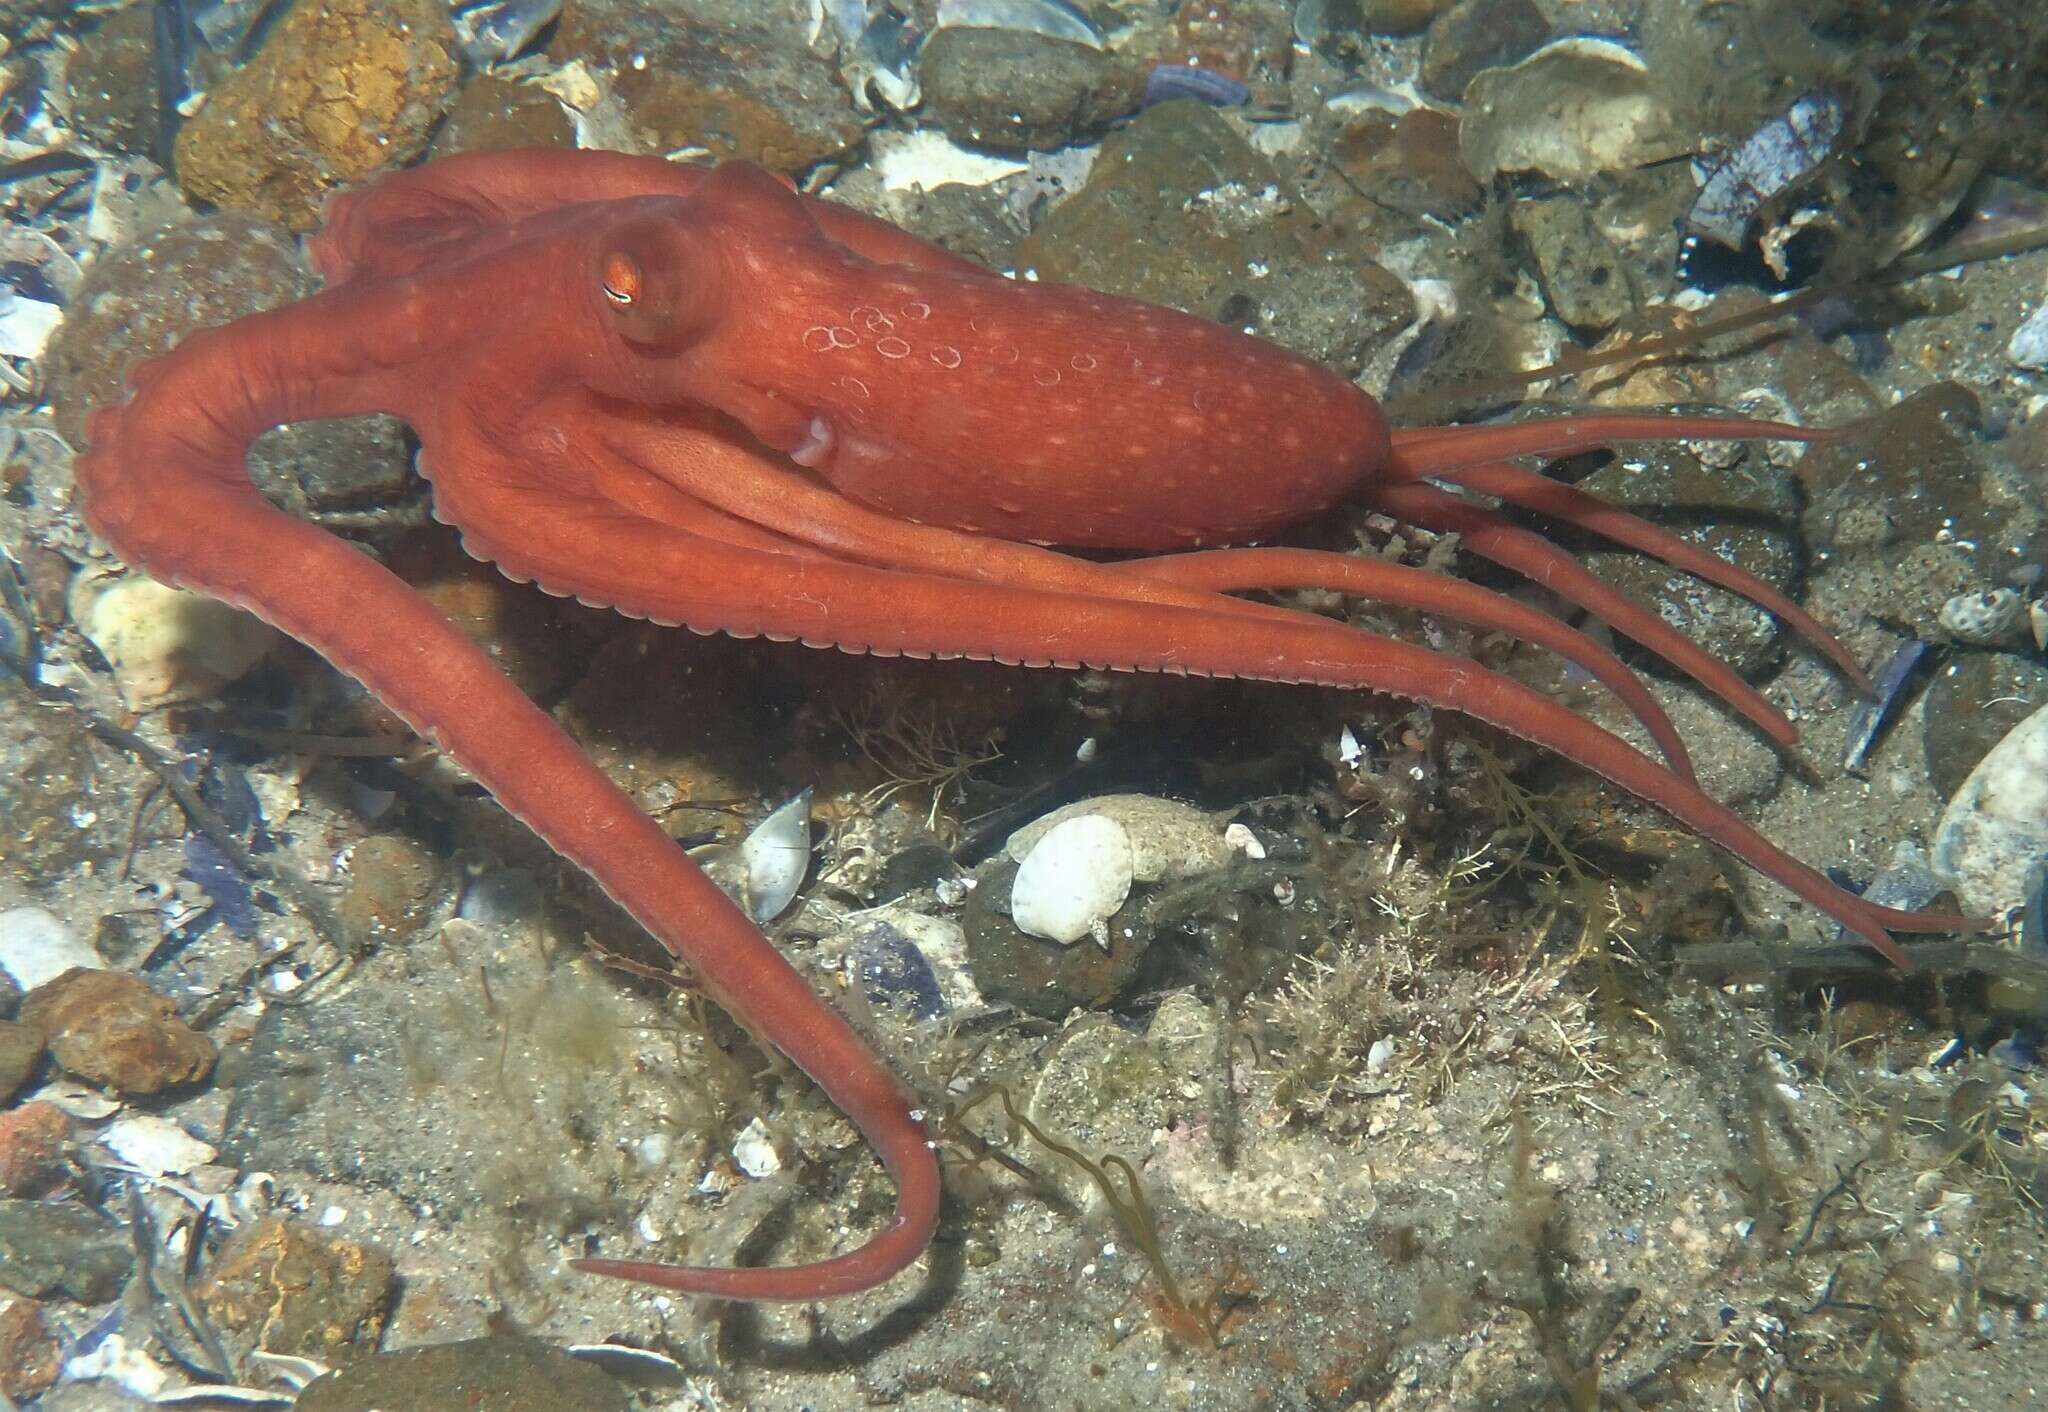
x,y
141,298
36,946
1072,879
1477,34
1581,274
155,1145
1906,477
1573,111
32,1140
1100,1090
46,809
1169,840
1995,829
167,645
1014,91
1399,17
1973,702
1036,976
1745,514
744,88
110,81
391,882
51,1248
287,1289
31,1354
1992,617
338,92
1180,210
112,1029
492,114
496,1374
1408,162
21,1052
2029,345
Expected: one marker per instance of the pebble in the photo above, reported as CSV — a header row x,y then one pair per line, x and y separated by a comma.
x,y
30,1352
155,1145
1011,91
36,946
1169,840
49,1247
1992,617
1072,879
32,1149
167,645
110,1028
1474,35
502,1373
1973,701
300,1291
2029,345
21,1051
1573,111
1996,826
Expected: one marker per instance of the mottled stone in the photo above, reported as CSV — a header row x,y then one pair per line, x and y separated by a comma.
x,y
32,1141
1102,1090
1907,477
390,882
1015,91
49,1247
732,90
140,299
491,114
496,1374
110,80
338,92
1477,34
1043,977
1409,163
1971,704
286,1288
21,1050
112,1029
44,795
30,1351
1180,210
1581,273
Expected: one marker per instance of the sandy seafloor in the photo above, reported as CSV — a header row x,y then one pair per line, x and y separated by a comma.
x,y
1481,1087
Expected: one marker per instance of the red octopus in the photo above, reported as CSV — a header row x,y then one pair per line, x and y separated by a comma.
x,y
696,397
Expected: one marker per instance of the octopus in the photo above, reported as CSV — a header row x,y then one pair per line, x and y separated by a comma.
x,y
695,396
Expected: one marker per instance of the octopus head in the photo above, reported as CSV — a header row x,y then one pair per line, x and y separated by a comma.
x,y
656,286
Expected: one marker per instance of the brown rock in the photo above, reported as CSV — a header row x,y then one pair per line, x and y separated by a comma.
x,y
110,1028
492,115
339,91
390,882
21,1049
32,1148
287,1289
29,1351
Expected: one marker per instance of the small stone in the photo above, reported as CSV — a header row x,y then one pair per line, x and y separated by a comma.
x,y
288,1289
167,645
1582,275
391,881
1398,17
21,1051
32,1139
501,1374
1408,162
49,1247
1473,35
1073,879
36,946
1573,111
1169,840
1992,617
30,1351
1015,91
2029,345
112,1029
1995,829
155,1145
495,115
338,92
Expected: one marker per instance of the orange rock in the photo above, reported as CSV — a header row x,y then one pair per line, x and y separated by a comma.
x,y
110,1028
28,1351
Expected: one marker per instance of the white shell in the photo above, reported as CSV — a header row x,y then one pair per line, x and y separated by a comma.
x,y
1573,110
1997,825
166,644
1074,878
775,857
1984,619
36,946
753,1151
155,1145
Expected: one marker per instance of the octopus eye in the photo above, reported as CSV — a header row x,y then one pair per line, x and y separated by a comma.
x,y
621,279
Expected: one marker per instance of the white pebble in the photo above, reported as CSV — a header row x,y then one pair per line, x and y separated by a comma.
x,y
36,946
754,1151
1073,879
155,1145
167,644
1997,824
2029,345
